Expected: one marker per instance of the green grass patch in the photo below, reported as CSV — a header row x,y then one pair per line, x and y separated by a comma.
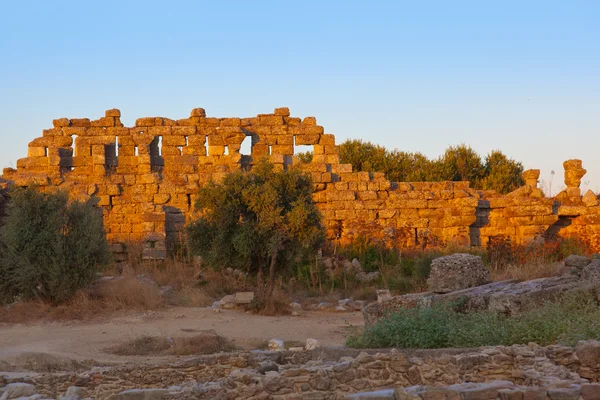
x,y
575,317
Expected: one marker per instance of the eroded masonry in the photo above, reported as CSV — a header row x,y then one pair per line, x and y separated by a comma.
x,y
146,179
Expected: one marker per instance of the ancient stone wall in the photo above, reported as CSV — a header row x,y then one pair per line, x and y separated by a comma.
x,y
146,178
304,375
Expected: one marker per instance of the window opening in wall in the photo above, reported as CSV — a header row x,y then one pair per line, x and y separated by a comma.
x,y
180,148
45,151
160,145
189,200
73,146
303,152
135,151
186,140
206,145
416,236
226,151
270,149
116,146
246,146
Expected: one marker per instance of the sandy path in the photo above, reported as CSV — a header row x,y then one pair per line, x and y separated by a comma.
x,y
85,341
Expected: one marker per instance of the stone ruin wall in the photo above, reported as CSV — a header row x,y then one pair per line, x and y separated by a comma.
x,y
146,179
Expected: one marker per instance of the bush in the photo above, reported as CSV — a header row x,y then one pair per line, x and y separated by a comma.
x,y
49,247
575,317
262,221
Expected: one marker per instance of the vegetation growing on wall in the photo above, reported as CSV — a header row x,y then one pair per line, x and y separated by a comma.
x,y
458,163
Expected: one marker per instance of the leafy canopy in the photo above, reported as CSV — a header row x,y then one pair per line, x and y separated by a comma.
x,y
255,221
458,163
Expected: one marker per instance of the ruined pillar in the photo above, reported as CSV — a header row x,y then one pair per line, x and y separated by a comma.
x,y
531,177
573,174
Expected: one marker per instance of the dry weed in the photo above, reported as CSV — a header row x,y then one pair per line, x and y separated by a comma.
x,y
531,270
204,343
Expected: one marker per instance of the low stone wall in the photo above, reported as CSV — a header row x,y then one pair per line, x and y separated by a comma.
x,y
503,390
230,376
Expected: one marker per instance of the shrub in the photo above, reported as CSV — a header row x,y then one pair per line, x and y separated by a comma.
x,y
49,247
263,221
576,316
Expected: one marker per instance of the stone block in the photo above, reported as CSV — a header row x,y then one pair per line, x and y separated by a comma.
x,y
113,113
61,122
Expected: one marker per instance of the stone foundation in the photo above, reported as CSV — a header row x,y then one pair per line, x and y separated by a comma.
x,y
308,375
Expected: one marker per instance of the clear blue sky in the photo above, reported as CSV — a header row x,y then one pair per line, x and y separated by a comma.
x,y
519,76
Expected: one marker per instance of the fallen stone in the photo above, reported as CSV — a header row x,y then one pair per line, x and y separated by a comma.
x,y
276,345
72,393
456,272
228,301
383,294
312,344
506,297
295,306
575,261
591,272
16,390
244,297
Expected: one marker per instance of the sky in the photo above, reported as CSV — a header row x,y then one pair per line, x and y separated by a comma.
x,y
519,76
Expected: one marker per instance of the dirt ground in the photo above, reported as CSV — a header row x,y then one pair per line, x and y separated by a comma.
x,y
84,341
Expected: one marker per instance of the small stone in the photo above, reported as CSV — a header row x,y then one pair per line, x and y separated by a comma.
x,y
276,345
590,199
575,261
312,344
72,393
198,112
383,295
244,297
295,306
18,389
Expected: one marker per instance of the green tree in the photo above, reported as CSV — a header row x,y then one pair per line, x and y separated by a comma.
x,y
502,174
49,248
305,157
461,163
260,221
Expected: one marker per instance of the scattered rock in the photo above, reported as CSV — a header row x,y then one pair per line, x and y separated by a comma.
x,y
591,272
311,344
324,306
267,366
383,294
72,393
16,390
167,291
295,313
295,306
590,199
367,277
575,261
456,272
244,297
276,345
228,301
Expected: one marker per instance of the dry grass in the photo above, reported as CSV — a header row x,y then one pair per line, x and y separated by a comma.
x,y
102,300
205,343
531,270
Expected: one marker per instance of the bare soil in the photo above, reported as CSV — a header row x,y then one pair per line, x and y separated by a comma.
x,y
88,341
